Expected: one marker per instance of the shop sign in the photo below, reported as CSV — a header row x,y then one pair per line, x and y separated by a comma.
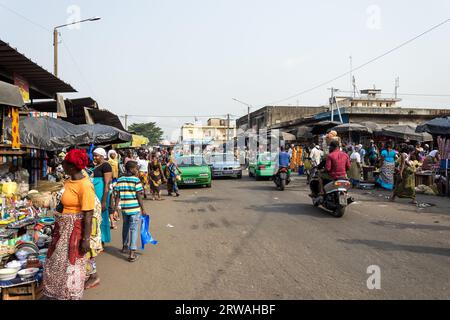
x,y
15,136
23,86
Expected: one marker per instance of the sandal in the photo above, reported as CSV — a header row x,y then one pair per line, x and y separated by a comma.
x,y
124,249
96,283
133,258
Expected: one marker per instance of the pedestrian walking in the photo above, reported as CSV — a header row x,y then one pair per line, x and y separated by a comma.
x,y
143,172
129,192
156,177
387,167
65,267
172,175
354,173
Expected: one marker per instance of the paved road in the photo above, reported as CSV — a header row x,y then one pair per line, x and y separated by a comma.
x,y
243,239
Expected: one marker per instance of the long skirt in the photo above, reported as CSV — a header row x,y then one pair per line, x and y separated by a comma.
x,y
105,226
386,178
354,173
65,267
96,239
155,181
406,187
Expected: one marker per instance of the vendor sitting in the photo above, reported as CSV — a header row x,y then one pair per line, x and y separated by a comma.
x,y
431,160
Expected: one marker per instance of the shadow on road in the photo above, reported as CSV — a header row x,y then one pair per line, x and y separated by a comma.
x,y
293,208
390,246
201,199
396,225
112,251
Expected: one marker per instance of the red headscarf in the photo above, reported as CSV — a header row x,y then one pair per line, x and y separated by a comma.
x,y
78,158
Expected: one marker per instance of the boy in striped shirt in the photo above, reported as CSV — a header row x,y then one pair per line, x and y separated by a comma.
x,y
129,192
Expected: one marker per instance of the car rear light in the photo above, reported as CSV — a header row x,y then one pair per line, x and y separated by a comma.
x,y
342,183
262,167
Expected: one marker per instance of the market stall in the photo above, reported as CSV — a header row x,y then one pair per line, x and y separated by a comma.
x,y
26,225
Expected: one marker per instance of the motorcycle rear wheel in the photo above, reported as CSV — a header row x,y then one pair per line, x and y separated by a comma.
x,y
282,184
339,212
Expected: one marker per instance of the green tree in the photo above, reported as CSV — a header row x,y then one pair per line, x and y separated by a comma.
x,y
149,130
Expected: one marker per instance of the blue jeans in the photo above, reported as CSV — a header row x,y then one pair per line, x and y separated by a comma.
x,y
130,227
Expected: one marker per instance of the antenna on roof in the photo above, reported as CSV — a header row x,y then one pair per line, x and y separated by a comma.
x,y
397,85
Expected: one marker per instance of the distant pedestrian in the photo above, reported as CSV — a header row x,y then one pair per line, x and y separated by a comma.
x,y
129,193
172,174
156,177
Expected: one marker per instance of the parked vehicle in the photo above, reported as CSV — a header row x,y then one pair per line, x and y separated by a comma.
x,y
195,171
225,165
336,197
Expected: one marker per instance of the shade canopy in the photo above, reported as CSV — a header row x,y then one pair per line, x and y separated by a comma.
x,y
323,126
101,134
438,126
288,136
406,132
352,127
375,127
10,95
48,133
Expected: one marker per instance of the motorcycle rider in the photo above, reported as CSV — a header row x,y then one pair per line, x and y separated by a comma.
x,y
336,166
284,160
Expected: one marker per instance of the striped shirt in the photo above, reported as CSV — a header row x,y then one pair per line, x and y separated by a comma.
x,y
128,187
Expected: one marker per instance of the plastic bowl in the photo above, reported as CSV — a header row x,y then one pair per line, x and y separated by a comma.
x,y
8,274
29,273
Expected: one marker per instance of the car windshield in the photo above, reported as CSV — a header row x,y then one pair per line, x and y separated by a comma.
x,y
267,157
195,161
222,157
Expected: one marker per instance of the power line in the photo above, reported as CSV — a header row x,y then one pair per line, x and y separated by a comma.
x,y
77,67
361,66
25,18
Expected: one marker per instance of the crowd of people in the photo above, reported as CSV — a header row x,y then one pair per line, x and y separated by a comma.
x,y
96,189
397,163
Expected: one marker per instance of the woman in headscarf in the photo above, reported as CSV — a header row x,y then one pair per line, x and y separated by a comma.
x,y
405,178
387,167
354,173
65,267
102,178
156,177
113,161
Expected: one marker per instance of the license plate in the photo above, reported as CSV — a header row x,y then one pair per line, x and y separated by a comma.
x,y
189,181
227,171
343,200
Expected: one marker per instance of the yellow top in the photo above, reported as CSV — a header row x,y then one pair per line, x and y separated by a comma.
x,y
78,196
115,168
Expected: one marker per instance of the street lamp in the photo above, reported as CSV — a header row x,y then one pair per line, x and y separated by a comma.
x,y
55,40
249,106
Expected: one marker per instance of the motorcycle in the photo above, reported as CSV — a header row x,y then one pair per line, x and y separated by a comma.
x,y
282,179
336,197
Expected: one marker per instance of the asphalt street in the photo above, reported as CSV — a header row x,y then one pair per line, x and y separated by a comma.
x,y
243,239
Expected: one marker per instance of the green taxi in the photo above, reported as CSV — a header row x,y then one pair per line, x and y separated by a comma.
x,y
195,171
263,165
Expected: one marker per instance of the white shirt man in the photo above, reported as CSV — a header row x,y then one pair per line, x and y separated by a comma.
x,y
316,155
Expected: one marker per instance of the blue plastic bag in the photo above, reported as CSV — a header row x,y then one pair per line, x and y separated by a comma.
x,y
146,237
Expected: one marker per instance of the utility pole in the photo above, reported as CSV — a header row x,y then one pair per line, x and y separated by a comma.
x,y
126,122
55,52
228,127
397,85
351,71
55,41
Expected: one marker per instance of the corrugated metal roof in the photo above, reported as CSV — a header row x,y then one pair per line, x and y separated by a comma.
x,y
42,83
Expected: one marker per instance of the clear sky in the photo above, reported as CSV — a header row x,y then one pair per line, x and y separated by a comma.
x,y
191,57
